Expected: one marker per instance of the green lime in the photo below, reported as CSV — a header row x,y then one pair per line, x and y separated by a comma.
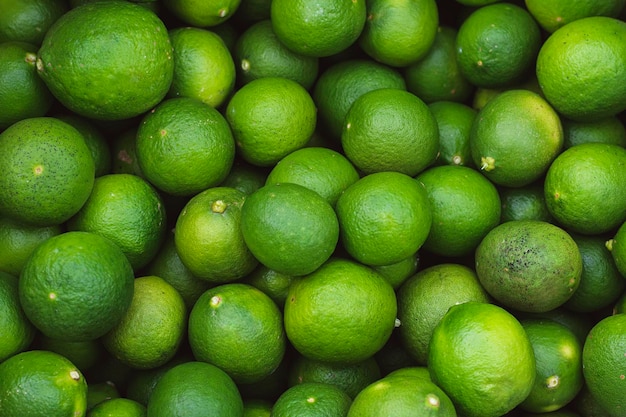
x,y
289,228
29,20
481,357
384,218
553,14
118,407
89,60
312,399
47,171
76,286
454,123
16,331
195,389
38,383
617,246
606,130
524,203
344,312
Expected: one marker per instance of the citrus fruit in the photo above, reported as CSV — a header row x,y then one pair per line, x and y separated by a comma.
x,y
289,228
424,299
141,382
118,407
606,130
579,323
580,67
558,358
39,383
22,93
152,329
586,405
384,218
397,273
18,240
481,357
270,387
399,33
524,203
601,284
617,246
477,3
584,188
417,371
320,169
203,66
88,60
465,206
604,364
341,83
390,130
454,123
344,312
209,239
497,45
238,328
311,399
201,13
351,378
47,171
272,283
127,210
553,14
270,117
402,396
184,146
167,264
437,76
94,138
99,392
529,265
254,11
393,355
16,331
76,286
28,20
245,177
195,389
317,28
259,53
515,137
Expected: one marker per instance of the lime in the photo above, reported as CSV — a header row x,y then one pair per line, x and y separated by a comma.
x,y
558,357
319,28
153,327
259,53
23,94
497,45
238,328
606,130
95,140
127,210
617,246
465,206
580,68
529,265
29,20
184,146
39,383
312,399
481,357
344,312
118,407
195,389
553,14
203,66
47,171
402,396
390,130
399,33
272,283
76,286
88,59
384,218
524,203
270,117
454,123
289,228
200,13
584,188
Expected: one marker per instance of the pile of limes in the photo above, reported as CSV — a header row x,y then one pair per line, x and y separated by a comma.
x,y
324,208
